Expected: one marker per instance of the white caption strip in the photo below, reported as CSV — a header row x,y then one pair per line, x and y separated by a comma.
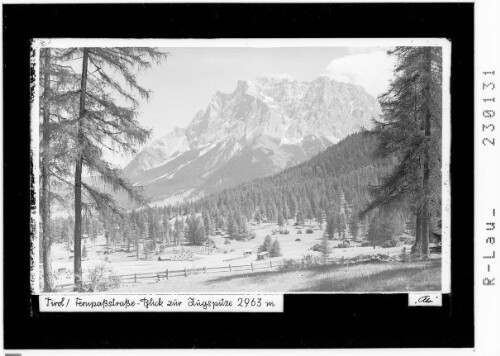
x,y
268,303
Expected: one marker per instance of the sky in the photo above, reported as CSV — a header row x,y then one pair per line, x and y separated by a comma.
x,y
187,80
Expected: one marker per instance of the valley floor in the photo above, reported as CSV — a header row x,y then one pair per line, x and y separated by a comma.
x,y
369,277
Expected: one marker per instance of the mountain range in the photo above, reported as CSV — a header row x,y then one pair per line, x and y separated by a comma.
x,y
264,126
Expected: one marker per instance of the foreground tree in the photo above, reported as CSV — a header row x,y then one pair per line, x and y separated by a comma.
x,y
44,168
56,109
104,124
410,131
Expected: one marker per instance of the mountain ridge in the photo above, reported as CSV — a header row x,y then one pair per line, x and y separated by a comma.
x,y
264,126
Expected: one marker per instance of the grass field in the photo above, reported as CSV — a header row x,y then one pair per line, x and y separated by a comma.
x,y
370,277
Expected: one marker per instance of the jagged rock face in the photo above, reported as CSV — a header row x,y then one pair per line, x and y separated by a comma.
x,y
264,126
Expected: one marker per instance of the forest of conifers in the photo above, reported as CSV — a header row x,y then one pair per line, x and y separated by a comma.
x,y
330,188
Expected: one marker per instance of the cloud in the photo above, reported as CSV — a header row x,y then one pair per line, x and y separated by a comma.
x,y
371,70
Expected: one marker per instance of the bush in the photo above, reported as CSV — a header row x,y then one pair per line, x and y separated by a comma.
x,y
309,231
289,264
100,278
390,243
252,235
285,232
299,232
227,242
311,260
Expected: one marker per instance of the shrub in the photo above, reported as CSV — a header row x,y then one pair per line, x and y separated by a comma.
x,y
285,232
311,260
390,243
252,235
100,278
227,242
289,264
309,231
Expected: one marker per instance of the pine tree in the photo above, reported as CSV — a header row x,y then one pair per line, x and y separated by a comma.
x,y
166,228
325,246
55,110
275,250
44,171
242,228
281,221
257,217
266,245
330,227
319,218
299,218
103,124
232,227
410,130
353,228
195,233
178,228
209,227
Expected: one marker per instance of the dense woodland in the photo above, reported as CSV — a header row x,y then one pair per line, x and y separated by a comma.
x,y
372,185
327,191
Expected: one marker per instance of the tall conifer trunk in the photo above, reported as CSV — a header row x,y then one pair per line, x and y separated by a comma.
x,y
427,133
78,177
45,201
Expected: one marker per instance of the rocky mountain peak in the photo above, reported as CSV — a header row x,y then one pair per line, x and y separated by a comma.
x,y
263,126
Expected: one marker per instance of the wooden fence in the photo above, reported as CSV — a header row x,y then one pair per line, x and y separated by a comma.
x,y
167,274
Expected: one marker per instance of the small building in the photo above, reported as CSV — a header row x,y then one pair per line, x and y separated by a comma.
x,y
263,255
247,253
218,232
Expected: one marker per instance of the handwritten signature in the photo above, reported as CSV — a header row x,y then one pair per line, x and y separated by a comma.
x,y
424,299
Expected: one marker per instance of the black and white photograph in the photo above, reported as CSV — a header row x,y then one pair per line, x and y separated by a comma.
x,y
249,176
241,166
